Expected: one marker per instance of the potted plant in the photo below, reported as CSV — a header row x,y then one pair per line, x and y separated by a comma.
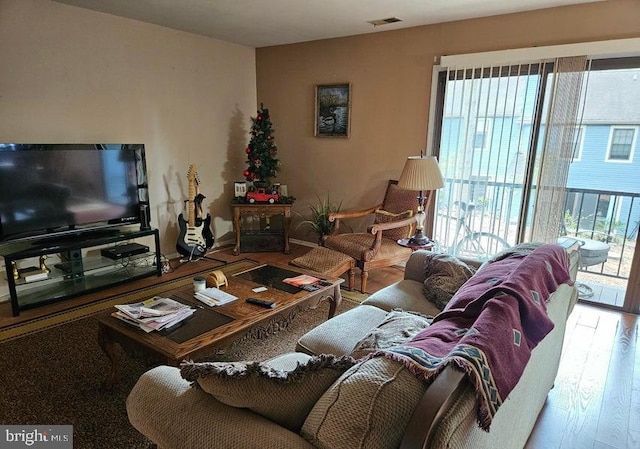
x,y
319,222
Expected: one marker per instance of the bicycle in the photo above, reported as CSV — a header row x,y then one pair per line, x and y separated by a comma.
x,y
477,244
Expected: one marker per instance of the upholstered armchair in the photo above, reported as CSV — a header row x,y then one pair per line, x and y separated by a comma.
x,y
394,219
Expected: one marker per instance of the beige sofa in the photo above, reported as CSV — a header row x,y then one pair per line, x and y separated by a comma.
x,y
376,403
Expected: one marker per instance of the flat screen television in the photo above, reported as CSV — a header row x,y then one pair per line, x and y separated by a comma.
x,y
50,189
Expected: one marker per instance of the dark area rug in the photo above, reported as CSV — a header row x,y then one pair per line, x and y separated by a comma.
x,y
55,377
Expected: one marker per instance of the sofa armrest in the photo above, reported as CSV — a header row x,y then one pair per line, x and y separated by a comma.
x,y
167,410
414,269
436,401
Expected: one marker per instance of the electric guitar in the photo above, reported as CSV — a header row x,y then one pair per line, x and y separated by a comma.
x,y
195,232
206,231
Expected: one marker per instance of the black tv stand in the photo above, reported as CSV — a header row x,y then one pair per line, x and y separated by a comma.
x,y
77,272
75,234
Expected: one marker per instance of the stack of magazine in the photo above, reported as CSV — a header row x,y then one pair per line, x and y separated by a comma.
x,y
153,314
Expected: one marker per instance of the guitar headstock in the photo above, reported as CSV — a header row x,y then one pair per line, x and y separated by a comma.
x,y
192,174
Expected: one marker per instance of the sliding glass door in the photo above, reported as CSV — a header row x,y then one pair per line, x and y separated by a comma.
x,y
602,206
491,138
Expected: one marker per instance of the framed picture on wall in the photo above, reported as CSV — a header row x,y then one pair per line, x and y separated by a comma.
x,y
333,110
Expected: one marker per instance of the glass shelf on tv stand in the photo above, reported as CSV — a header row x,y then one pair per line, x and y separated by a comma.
x,y
91,264
87,273
61,286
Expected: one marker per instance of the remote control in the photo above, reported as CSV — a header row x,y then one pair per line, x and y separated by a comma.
x,y
261,302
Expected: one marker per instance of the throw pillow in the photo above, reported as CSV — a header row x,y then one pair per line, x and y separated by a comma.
x,y
397,327
285,397
368,407
382,216
444,275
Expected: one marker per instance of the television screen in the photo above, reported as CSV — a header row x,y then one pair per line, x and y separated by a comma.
x,y
46,188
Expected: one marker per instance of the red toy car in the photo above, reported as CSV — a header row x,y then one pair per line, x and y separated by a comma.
x,y
261,195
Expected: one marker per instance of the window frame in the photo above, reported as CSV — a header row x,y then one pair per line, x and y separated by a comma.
x,y
579,143
612,131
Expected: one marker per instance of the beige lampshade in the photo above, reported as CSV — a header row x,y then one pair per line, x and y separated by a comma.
x,y
421,173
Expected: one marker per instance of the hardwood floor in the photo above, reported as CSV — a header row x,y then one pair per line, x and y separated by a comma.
x,y
595,403
596,399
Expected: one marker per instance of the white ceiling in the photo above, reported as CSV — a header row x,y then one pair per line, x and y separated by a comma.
x,y
262,23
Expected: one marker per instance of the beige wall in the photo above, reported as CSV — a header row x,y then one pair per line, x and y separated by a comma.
x,y
390,73
74,75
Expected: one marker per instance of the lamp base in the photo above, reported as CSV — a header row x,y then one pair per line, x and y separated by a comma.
x,y
419,238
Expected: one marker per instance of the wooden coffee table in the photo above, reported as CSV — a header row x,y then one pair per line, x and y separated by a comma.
x,y
211,329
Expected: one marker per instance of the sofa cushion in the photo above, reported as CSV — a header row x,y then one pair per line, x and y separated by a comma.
x,y
383,216
397,327
340,334
166,410
283,396
405,295
369,406
444,275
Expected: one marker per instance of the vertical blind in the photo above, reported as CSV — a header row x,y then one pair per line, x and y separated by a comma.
x,y
501,155
485,134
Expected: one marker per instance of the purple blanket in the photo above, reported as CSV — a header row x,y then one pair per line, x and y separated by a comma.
x,y
490,326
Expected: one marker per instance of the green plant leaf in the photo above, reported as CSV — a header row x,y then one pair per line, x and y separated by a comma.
x,y
318,222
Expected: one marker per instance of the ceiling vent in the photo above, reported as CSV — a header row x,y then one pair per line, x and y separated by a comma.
x,y
387,21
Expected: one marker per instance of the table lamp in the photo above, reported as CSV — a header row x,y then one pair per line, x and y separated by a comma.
x,y
423,174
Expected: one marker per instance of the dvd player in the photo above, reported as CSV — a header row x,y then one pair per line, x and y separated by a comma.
x,y
126,250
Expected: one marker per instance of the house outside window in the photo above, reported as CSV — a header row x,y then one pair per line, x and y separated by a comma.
x,y
622,140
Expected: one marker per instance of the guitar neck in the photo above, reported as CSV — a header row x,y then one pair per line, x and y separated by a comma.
x,y
192,204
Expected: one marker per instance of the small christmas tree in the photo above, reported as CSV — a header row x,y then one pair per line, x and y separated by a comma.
x,y
262,150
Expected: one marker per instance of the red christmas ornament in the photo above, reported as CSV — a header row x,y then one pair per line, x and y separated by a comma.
x,y
268,137
247,150
259,118
245,173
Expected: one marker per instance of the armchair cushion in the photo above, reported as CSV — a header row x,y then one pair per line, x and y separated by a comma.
x,y
397,327
360,245
383,216
444,275
397,200
284,396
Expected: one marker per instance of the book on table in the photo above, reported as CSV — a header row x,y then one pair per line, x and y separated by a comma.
x,y
213,296
154,313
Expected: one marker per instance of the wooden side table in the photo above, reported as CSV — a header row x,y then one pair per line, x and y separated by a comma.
x,y
261,211
414,246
